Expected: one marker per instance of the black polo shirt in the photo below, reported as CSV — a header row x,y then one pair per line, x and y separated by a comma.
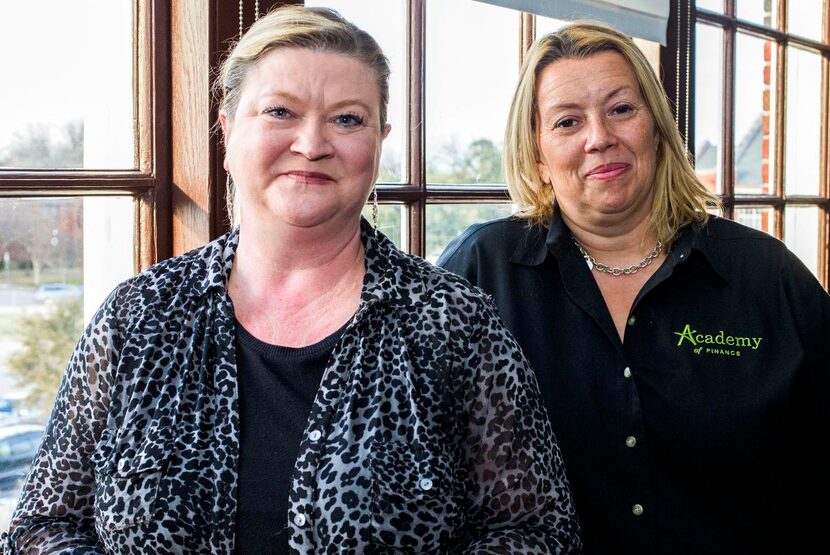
x,y
708,430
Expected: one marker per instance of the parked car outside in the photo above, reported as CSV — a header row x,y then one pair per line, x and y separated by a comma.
x,y
18,446
56,292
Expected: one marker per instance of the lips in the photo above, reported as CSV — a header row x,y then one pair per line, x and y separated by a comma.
x,y
608,171
312,178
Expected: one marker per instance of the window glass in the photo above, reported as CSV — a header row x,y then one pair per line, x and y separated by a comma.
x,y
754,115
709,106
803,135
545,25
68,87
447,221
762,12
472,65
804,17
385,20
59,258
391,221
711,5
761,218
801,234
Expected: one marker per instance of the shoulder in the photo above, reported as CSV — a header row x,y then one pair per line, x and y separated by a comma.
x,y
730,241
495,237
167,283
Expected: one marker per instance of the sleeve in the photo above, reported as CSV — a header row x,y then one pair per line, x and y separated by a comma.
x,y
459,259
520,498
55,513
810,308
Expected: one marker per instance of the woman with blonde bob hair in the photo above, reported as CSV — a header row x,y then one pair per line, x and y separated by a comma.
x,y
682,356
299,385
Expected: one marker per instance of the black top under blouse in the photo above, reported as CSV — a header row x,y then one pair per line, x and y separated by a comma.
x,y
277,386
706,430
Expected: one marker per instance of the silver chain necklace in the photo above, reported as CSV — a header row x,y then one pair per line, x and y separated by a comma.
x,y
613,270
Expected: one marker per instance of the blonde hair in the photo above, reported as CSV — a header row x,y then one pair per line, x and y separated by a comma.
x,y
680,198
319,29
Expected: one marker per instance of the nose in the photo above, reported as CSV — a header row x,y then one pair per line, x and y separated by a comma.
x,y
600,135
311,141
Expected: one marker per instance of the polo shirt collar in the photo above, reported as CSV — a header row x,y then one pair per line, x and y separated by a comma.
x,y
536,245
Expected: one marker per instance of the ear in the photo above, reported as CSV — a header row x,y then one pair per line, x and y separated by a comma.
x,y
542,168
385,133
227,125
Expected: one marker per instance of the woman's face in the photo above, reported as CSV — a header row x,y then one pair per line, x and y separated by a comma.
x,y
597,139
304,143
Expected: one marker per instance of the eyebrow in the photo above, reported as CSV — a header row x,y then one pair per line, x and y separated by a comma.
x,y
569,105
336,106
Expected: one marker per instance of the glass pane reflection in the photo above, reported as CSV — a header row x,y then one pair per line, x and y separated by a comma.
x,y
801,234
447,221
472,65
709,106
59,258
754,115
70,102
803,129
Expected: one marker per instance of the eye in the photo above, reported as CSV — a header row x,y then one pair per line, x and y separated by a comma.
x,y
279,112
348,120
565,123
623,109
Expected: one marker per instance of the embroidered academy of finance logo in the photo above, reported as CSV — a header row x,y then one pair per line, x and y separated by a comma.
x,y
719,343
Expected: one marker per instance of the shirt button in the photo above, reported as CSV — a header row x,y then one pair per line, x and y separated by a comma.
x,y
315,435
426,484
637,510
631,441
122,465
632,320
299,520
627,372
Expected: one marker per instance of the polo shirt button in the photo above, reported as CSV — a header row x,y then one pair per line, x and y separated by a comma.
x,y
299,520
426,484
122,465
627,372
631,441
632,320
637,510
314,435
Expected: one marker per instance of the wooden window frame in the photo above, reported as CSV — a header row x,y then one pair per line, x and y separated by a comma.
x,y
149,183
679,62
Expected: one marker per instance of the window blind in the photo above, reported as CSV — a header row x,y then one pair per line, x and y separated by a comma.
x,y
645,19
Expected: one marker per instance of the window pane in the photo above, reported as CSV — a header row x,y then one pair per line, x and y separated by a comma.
x,y
754,115
59,258
712,5
72,95
804,18
391,221
709,106
472,65
447,221
803,136
385,20
801,233
545,25
762,12
761,218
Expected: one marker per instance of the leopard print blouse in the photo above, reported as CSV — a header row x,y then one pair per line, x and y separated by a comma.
x,y
427,433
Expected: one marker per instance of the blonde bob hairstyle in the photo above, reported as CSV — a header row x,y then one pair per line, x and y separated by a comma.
x,y
679,199
319,29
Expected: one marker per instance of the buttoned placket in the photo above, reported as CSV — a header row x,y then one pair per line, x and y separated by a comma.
x,y
302,500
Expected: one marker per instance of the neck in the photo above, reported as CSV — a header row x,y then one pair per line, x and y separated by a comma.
x,y
300,263
623,243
